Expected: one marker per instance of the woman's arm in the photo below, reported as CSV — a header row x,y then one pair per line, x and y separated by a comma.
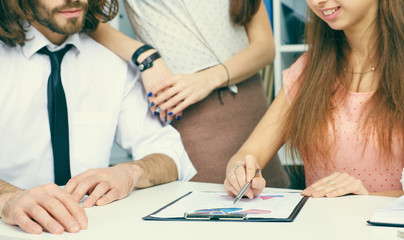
x,y
260,147
124,47
119,43
397,193
179,92
258,54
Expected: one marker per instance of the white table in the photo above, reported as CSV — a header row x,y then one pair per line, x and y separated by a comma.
x,y
339,218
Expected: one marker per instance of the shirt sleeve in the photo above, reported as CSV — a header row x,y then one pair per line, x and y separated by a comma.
x,y
290,78
141,134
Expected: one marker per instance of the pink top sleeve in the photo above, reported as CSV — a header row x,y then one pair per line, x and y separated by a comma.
x,y
290,78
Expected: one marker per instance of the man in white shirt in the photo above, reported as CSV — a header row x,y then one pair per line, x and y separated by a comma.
x,y
105,101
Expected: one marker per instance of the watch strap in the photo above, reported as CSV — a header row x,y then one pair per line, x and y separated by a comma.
x,y
139,51
148,62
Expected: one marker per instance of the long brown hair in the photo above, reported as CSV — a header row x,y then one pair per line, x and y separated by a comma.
x,y
327,56
15,12
241,11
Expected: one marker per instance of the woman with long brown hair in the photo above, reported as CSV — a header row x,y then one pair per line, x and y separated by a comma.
x,y
341,109
207,87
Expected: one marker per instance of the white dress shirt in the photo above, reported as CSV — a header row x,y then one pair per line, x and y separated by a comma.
x,y
105,100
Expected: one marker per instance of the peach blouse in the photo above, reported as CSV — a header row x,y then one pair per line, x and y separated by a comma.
x,y
352,154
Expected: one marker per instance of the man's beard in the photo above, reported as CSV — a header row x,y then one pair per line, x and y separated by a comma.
x,y
47,18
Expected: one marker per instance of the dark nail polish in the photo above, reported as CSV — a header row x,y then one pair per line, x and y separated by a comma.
x,y
150,94
170,122
158,109
155,113
151,104
170,113
178,118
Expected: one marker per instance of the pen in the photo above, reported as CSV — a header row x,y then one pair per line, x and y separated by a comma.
x,y
244,189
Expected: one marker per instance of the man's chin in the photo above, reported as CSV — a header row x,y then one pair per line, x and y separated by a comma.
x,y
69,26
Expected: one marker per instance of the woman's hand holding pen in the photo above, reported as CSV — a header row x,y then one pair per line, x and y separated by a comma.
x,y
240,172
337,184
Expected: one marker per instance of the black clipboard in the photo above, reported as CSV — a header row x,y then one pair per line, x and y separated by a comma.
x,y
233,217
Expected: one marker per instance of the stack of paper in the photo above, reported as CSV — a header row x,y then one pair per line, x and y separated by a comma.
x,y
392,214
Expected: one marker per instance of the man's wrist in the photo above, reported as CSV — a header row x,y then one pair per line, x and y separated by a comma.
x,y
6,196
136,174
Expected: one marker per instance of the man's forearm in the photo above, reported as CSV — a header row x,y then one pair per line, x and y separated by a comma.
x,y
153,169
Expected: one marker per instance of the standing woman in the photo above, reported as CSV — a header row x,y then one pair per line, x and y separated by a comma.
x,y
341,108
215,96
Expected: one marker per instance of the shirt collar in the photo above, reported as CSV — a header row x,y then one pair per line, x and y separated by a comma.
x,y
36,40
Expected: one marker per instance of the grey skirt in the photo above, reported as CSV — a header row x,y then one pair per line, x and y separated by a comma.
x,y
212,132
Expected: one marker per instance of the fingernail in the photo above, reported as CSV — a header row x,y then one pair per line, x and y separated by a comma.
x,y
101,201
330,195
170,113
82,223
158,109
150,94
89,202
151,104
74,227
57,228
36,229
155,113
164,119
178,118
170,122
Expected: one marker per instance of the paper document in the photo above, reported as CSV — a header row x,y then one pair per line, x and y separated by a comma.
x,y
266,205
391,214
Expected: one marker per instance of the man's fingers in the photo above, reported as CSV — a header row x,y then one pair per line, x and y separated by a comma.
x,y
41,216
71,186
87,182
65,209
109,197
75,210
26,223
101,189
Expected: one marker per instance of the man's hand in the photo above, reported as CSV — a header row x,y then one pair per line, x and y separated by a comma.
x,y
44,207
104,185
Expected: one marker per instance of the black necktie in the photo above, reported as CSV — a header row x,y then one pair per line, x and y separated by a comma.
x,y
58,121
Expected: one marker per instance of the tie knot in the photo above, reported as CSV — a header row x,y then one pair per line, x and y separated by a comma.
x,y
57,56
